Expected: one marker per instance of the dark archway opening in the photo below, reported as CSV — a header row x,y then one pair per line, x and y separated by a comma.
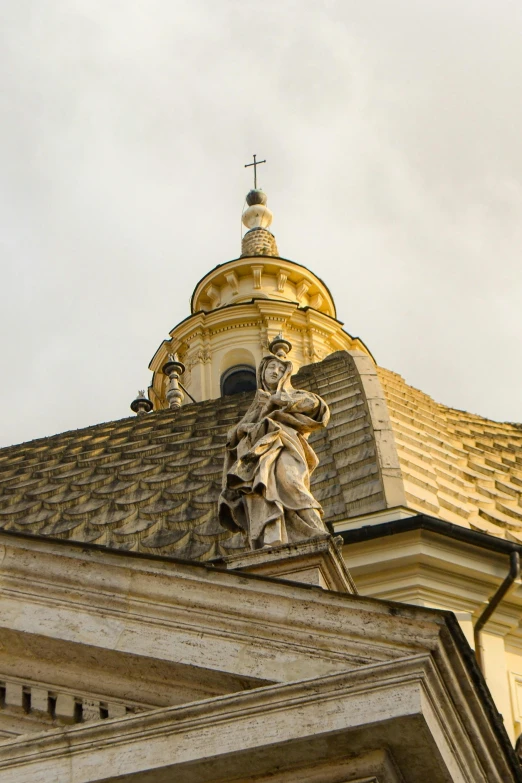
x,y
240,378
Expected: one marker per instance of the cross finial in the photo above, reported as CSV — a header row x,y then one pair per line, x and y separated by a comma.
x,y
255,164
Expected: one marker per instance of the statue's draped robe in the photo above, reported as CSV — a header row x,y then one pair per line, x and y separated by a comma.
x,y
266,477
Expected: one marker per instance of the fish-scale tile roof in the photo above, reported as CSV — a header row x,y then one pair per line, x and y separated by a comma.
x,y
455,465
151,483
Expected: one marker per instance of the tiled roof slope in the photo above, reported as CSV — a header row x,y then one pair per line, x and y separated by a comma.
x,y
455,465
151,483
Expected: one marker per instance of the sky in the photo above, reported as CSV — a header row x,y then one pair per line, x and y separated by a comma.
x,y
392,133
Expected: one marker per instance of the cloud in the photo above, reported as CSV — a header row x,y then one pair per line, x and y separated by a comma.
x,y
394,170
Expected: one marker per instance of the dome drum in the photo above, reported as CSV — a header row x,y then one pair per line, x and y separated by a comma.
x,y
209,343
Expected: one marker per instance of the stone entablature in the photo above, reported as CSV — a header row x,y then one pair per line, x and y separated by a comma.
x,y
289,677
26,706
428,568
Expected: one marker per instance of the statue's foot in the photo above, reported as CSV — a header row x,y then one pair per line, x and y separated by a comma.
x,y
271,546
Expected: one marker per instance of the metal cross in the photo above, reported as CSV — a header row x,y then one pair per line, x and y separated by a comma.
x,y
255,164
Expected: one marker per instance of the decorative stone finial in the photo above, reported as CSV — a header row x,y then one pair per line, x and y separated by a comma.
x,y
256,196
173,369
257,215
141,404
280,347
258,241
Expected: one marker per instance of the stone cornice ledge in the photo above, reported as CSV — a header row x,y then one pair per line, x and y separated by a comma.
x,y
243,624
403,706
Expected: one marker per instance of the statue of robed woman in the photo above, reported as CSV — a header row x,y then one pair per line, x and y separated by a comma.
x,y
266,477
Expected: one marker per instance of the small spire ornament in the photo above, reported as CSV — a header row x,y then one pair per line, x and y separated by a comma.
x,y
258,240
141,404
257,215
173,369
255,164
280,347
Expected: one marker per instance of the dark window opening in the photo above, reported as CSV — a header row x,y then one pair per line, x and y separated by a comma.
x,y
26,700
240,378
78,712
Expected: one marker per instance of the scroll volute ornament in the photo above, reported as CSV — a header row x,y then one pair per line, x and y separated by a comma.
x,y
268,462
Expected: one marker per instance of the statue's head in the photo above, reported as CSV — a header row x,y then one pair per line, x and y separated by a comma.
x,y
273,373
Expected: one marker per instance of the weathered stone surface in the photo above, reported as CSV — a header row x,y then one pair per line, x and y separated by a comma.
x,y
259,242
268,461
300,729
256,676
317,562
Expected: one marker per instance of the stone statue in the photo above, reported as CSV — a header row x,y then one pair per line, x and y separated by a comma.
x,y
268,463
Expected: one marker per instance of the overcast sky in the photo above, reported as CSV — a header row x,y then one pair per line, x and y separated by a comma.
x,y
393,134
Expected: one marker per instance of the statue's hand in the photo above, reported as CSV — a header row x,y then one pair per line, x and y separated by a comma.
x,y
277,401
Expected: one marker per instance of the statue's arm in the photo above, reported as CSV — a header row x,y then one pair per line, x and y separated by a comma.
x,y
254,414
304,412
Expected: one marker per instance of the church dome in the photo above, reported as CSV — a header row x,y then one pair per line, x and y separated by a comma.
x,y
239,307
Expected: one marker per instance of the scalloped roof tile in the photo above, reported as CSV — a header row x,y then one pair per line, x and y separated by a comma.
x,y
150,484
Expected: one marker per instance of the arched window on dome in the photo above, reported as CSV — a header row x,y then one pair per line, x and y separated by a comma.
x,y
237,379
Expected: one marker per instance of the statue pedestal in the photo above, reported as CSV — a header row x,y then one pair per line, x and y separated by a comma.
x,y
316,561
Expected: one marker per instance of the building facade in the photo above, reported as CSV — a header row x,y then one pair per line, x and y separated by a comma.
x,y
141,641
